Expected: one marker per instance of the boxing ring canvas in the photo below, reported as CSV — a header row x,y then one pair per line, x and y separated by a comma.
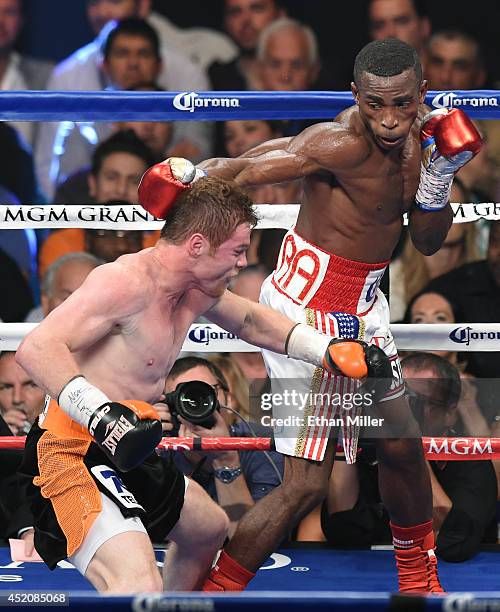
x,y
300,577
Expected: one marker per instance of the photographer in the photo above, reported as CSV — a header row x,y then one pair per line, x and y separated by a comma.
x,y
464,492
236,480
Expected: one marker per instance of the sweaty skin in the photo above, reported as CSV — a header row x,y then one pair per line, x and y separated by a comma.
x,y
360,174
124,327
356,184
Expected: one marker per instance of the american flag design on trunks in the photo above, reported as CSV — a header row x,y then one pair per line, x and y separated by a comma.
x,y
312,440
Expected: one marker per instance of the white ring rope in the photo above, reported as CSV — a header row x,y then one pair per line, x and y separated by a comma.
x,y
134,217
210,338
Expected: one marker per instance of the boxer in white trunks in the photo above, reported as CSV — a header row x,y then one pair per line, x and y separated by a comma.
x,y
380,158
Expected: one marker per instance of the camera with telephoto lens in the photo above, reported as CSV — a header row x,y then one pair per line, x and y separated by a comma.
x,y
195,401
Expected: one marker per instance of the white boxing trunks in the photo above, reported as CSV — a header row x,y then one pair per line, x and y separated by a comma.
x,y
340,298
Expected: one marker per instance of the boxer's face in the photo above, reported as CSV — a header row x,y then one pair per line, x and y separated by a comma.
x,y
214,269
388,106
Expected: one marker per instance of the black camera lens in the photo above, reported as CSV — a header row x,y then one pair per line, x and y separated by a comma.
x,y
195,401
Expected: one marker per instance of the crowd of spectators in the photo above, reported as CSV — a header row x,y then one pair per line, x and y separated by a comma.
x,y
259,46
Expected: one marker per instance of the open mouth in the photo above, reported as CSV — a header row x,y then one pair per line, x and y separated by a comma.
x,y
389,142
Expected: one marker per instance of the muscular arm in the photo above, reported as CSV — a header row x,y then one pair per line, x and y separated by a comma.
x,y
229,167
107,297
251,321
325,146
428,230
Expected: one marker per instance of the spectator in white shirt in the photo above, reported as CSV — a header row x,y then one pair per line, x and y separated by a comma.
x,y
202,45
84,71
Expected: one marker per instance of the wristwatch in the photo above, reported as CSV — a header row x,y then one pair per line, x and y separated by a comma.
x,y
227,474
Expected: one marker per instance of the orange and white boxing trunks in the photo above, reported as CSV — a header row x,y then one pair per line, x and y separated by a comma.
x,y
340,298
80,500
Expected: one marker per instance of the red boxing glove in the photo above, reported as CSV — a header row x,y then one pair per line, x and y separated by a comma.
x,y
453,132
449,140
162,184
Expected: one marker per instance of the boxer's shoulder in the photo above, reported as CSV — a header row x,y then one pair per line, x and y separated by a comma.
x,y
128,268
335,144
128,278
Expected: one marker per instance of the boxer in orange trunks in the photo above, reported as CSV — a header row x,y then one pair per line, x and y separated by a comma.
x,y
384,156
98,488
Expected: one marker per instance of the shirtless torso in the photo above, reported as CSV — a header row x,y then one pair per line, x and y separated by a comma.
x,y
135,356
125,327
105,353
360,171
356,212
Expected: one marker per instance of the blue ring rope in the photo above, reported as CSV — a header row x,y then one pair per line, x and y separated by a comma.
x,y
210,106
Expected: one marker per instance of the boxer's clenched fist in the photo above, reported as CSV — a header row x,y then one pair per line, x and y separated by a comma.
x,y
449,140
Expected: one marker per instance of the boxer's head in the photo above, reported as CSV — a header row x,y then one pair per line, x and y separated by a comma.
x,y
212,221
388,88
